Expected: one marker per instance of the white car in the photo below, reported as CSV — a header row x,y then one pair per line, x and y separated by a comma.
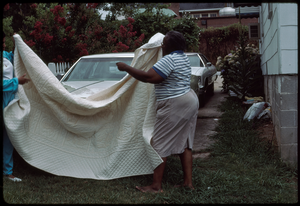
x,y
93,73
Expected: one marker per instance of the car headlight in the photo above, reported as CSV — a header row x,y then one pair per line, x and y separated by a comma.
x,y
199,82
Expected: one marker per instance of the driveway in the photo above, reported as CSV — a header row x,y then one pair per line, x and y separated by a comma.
x,y
207,120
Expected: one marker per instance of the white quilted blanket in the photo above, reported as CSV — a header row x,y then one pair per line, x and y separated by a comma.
x,y
105,136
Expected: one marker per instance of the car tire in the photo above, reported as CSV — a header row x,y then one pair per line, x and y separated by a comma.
x,y
202,99
210,89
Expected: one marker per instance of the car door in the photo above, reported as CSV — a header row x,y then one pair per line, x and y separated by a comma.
x,y
210,69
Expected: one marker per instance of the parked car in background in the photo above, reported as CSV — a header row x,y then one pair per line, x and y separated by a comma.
x,y
203,76
93,73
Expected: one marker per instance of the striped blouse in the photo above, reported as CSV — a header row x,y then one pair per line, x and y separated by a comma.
x,y
175,68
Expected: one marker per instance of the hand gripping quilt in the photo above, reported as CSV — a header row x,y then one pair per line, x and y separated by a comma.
x,y
105,136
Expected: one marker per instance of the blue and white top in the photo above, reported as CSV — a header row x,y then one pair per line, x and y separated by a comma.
x,y
175,68
10,83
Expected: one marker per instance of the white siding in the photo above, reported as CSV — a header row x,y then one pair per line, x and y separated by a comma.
x,y
278,45
279,63
288,39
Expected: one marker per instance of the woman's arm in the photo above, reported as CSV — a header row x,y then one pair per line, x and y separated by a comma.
x,y
11,85
150,76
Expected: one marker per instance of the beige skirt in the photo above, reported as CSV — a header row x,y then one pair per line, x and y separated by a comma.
x,y
175,124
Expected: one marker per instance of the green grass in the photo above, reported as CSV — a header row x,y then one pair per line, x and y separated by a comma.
x,y
242,168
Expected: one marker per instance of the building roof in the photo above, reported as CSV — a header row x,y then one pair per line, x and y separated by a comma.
x,y
200,6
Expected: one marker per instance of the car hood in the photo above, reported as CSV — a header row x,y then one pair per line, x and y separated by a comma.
x,y
84,89
197,71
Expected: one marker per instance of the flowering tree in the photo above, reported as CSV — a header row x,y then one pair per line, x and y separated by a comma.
x,y
64,32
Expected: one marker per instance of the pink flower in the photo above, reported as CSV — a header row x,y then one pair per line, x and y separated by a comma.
x,y
33,6
81,46
131,20
139,41
68,29
6,7
84,52
59,58
37,26
122,47
30,43
130,27
122,31
57,9
71,33
48,39
91,5
62,21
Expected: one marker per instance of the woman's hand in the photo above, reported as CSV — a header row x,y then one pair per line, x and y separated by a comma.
x,y
121,66
22,79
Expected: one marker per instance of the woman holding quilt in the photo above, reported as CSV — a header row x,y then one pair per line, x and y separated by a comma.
x,y
176,107
10,87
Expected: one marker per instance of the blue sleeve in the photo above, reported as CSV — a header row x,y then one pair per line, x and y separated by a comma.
x,y
159,72
9,56
10,85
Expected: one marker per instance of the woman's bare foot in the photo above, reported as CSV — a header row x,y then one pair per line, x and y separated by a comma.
x,y
149,189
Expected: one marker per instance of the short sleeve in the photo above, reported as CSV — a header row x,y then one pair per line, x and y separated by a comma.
x,y
165,65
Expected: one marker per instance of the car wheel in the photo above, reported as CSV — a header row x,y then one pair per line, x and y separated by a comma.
x,y
210,89
201,98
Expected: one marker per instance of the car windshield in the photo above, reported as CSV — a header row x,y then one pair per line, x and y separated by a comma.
x,y
97,69
195,61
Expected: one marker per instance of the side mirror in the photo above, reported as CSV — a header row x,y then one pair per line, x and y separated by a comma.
x,y
208,64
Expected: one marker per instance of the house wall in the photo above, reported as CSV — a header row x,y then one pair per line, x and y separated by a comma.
x,y
279,63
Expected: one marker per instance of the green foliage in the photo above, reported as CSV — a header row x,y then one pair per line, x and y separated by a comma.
x,y
188,27
241,70
60,32
152,21
64,32
8,32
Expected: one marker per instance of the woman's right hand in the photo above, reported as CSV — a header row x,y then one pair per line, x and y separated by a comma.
x,y
22,79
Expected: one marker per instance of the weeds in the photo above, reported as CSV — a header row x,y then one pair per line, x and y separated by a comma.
x,y
241,169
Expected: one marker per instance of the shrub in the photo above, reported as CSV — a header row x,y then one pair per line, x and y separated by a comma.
x,y
214,42
241,70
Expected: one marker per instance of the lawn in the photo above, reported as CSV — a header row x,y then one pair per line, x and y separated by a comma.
x,y
242,168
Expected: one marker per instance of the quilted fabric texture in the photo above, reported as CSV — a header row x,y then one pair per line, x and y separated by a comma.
x,y
105,136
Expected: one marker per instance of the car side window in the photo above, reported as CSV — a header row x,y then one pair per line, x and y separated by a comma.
x,y
204,58
195,61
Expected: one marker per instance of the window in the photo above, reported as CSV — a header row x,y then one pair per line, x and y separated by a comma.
x,y
208,15
195,61
196,15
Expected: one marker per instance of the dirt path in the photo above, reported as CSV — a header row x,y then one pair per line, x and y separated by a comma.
x,y
207,120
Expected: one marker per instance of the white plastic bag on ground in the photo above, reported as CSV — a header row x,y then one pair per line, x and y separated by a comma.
x,y
255,110
265,114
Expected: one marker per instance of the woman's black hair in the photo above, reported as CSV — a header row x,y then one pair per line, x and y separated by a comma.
x,y
176,40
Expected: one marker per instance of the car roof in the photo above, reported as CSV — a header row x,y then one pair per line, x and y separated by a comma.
x,y
110,55
120,54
